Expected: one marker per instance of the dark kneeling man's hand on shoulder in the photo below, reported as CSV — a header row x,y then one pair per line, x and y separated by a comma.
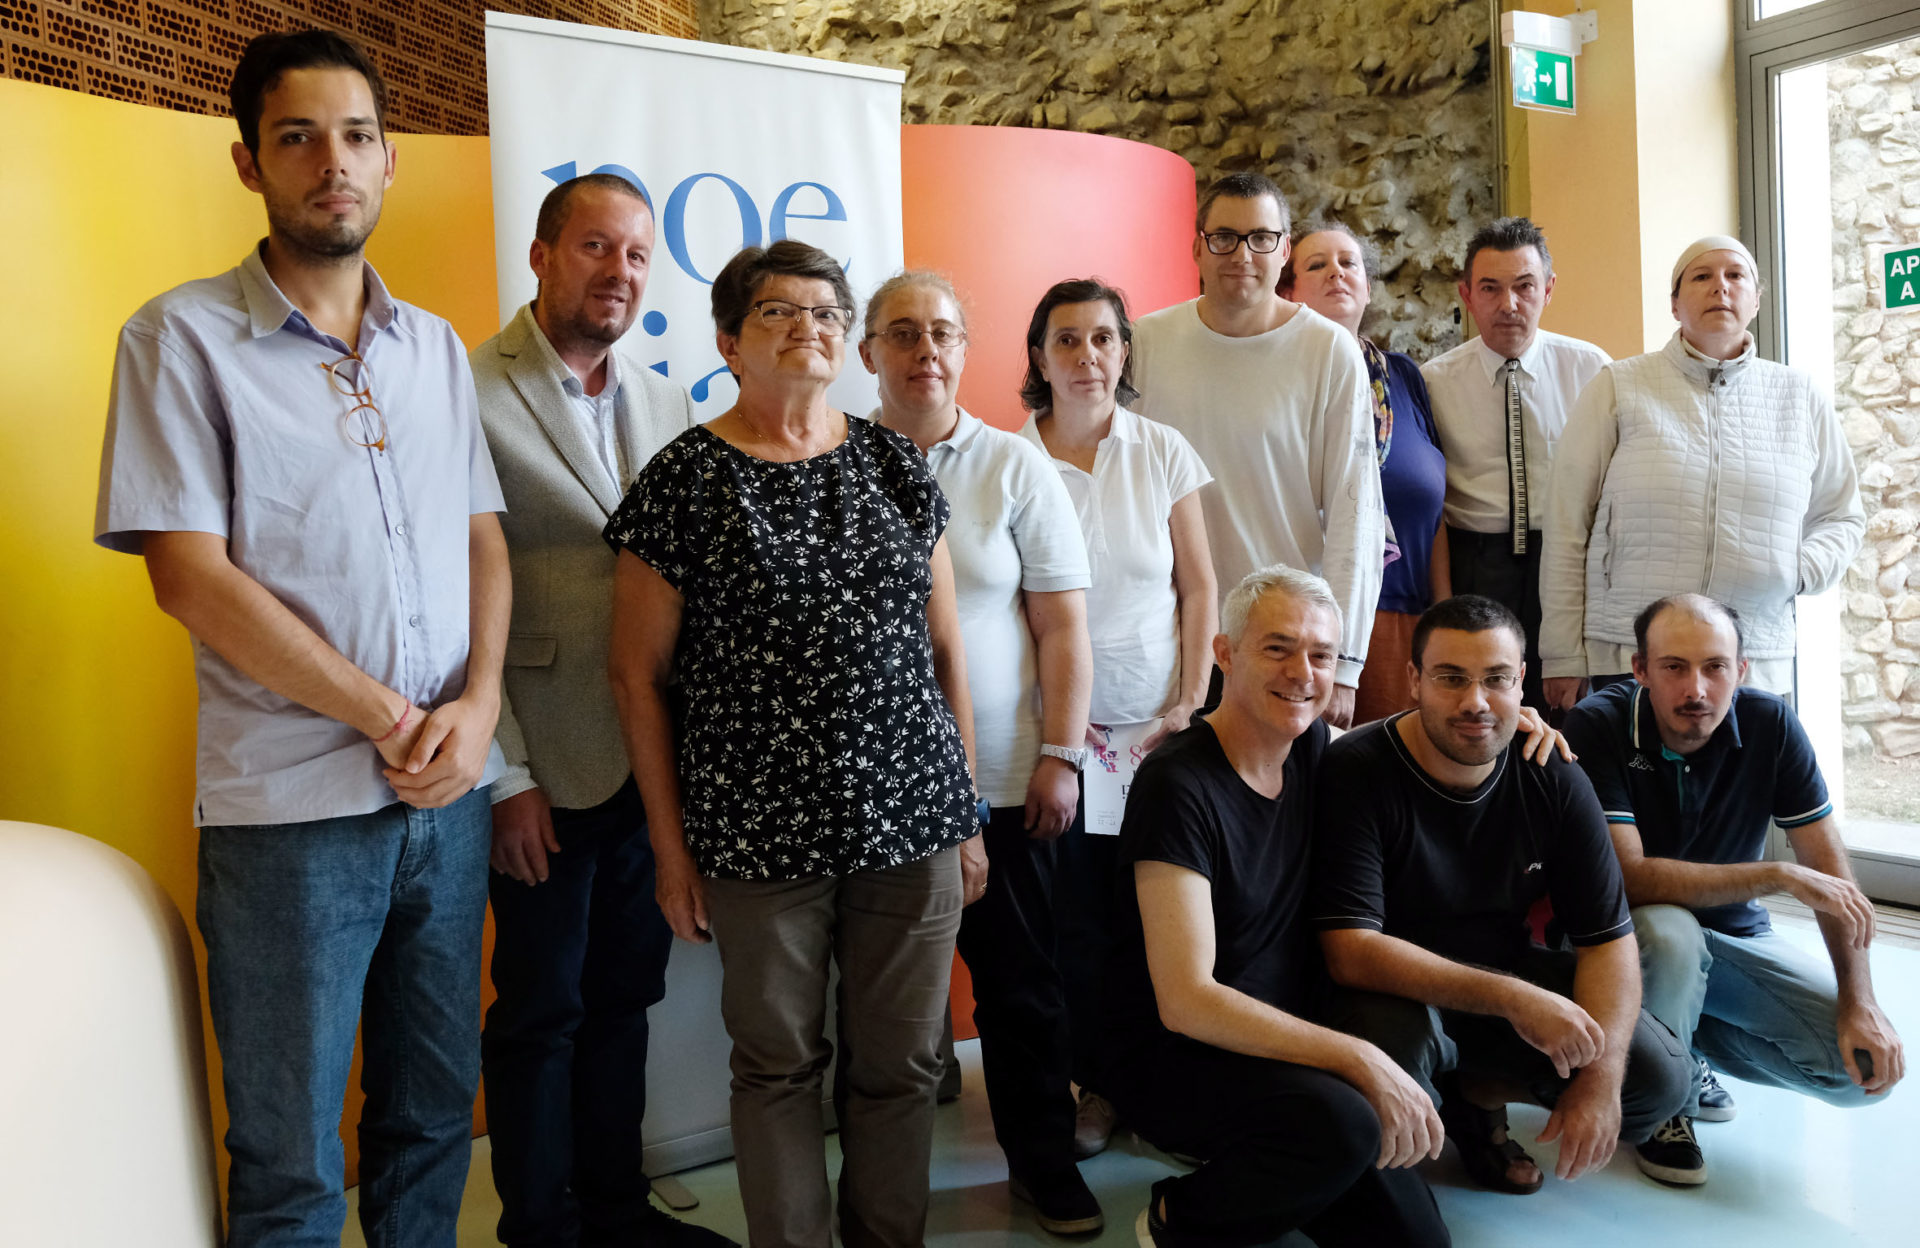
x,y
523,836
1541,739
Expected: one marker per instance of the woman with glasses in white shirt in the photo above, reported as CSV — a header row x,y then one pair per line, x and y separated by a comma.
x,y
1020,578
1151,611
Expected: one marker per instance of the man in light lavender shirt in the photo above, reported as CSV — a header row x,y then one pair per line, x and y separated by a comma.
x,y
298,457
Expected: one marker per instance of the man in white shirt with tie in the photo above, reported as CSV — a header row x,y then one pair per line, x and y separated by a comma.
x,y
1500,402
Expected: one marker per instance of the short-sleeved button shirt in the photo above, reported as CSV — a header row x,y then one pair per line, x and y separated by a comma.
x,y
815,740
222,420
1190,808
1140,470
1456,872
1710,806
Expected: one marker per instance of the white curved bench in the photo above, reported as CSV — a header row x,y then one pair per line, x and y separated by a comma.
x,y
105,1135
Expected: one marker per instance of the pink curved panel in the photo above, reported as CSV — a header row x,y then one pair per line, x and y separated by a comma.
x,y
1007,212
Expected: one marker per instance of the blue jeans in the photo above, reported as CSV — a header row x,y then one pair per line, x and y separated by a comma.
x,y
311,927
577,960
1756,1007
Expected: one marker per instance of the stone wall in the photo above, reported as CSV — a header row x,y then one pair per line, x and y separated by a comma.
x,y
1379,112
1875,131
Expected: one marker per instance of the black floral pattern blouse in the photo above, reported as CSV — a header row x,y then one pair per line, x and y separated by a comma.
x,y
815,740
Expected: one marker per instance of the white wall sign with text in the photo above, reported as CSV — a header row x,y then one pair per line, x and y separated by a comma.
x,y
733,147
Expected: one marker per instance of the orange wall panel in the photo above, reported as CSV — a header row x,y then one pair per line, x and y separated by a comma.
x,y
1007,212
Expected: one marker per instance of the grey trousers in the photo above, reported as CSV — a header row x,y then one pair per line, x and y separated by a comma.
x,y
1426,1042
891,933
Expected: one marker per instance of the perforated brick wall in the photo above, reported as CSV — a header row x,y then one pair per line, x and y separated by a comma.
x,y
180,53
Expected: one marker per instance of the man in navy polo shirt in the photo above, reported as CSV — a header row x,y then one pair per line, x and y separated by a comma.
x,y
1690,769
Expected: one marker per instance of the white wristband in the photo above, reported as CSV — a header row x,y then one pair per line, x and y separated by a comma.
x,y
1076,759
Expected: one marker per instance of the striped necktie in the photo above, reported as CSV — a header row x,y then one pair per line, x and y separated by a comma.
x,y
1516,460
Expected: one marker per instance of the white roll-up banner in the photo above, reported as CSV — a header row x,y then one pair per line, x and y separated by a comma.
x,y
733,147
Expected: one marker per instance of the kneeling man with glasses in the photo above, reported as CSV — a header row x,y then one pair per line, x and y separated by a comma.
x,y
1427,864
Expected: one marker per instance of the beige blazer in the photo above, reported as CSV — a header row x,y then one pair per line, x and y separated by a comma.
x,y
558,727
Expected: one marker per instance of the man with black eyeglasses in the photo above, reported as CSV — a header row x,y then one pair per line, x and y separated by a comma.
x,y
297,455
1441,842
1275,399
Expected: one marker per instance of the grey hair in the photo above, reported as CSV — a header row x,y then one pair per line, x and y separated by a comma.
x,y
908,279
1302,587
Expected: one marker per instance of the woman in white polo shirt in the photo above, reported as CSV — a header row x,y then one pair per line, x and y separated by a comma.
x,y
1020,575
1151,610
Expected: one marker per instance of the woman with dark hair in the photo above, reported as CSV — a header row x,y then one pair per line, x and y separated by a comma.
x,y
784,565
1151,608
1331,271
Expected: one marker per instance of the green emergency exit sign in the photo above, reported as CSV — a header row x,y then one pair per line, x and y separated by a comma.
x,y
1542,80
1903,277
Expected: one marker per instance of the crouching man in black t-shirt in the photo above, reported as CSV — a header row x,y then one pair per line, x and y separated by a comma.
x,y
1214,970
1433,843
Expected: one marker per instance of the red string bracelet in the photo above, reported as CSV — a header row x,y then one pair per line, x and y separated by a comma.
x,y
398,724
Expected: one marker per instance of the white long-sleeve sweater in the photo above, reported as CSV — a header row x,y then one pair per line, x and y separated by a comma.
x,y
1284,421
1681,473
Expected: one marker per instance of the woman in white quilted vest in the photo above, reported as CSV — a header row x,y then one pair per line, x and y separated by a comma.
x,y
1697,467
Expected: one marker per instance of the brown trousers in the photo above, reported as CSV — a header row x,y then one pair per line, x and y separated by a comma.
x,y
891,934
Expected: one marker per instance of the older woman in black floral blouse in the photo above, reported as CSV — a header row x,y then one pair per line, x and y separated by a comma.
x,y
786,565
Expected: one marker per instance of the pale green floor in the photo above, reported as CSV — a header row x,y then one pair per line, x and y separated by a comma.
x,y
1787,1171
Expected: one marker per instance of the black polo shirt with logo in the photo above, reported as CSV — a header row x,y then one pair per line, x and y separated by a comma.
x,y
1454,871
1710,806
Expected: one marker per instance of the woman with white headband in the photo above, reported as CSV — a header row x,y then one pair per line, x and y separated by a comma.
x,y
1700,468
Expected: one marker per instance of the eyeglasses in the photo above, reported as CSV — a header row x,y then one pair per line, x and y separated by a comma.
x,y
779,315
1226,242
905,335
352,379
1460,682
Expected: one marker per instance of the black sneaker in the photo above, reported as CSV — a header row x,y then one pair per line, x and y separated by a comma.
x,y
659,1229
1673,1154
1062,1203
1716,1103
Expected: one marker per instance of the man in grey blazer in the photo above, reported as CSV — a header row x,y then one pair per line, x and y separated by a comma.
x,y
580,946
